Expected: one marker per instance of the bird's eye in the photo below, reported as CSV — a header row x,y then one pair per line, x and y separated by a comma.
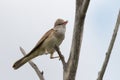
x,y
59,24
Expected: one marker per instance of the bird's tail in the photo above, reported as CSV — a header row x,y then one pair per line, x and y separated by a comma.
x,y
22,61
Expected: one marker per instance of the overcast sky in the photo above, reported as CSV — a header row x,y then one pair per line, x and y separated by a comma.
x,y
23,22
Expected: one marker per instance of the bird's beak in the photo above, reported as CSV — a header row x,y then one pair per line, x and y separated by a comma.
x,y
65,22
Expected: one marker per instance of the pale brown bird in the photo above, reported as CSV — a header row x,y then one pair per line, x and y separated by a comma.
x,y
46,44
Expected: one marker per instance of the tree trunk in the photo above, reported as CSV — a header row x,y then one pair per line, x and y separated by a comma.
x,y
72,63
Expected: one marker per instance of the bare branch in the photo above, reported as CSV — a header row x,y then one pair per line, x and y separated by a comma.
x,y
72,63
34,66
61,56
108,53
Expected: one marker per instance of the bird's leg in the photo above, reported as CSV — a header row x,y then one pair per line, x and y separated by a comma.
x,y
51,56
61,57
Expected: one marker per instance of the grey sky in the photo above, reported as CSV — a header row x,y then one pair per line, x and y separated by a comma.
x,y
23,22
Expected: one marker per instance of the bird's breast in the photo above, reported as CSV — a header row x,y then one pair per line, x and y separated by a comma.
x,y
59,37
55,38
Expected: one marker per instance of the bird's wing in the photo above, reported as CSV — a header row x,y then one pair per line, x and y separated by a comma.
x,y
46,35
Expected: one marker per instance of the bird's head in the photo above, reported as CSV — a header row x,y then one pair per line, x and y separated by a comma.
x,y
60,22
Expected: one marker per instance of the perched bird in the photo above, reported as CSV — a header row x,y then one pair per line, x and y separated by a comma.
x,y
46,44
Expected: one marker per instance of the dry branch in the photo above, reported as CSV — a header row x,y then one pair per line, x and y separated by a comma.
x,y
61,56
108,53
34,66
72,63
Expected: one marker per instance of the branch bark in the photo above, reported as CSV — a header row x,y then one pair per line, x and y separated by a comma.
x,y
34,66
72,63
108,53
61,56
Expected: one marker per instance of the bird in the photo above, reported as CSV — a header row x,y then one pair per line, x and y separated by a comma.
x,y
46,45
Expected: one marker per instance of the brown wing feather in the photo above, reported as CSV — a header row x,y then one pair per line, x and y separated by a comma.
x,y
39,43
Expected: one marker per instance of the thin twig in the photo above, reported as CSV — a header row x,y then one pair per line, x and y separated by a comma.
x,y
61,56
34,66
108,53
